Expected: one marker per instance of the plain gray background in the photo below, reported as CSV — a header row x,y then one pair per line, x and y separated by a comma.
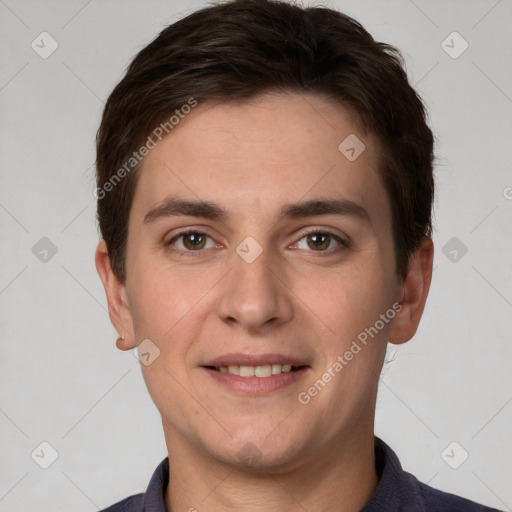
x,y
62,380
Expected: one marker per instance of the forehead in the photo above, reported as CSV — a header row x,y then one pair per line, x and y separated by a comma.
x,y
257,155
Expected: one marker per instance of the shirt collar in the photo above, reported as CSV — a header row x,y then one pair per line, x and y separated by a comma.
x,y
396,487
154,498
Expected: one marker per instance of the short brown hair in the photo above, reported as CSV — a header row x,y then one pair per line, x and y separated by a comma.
x,y
242,48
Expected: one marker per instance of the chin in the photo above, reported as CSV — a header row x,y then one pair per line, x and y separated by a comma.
x,y
261,452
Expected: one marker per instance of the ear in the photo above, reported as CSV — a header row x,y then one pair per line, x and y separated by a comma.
x,y
413,295
118,307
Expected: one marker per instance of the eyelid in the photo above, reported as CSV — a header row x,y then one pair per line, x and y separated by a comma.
x,y
197,229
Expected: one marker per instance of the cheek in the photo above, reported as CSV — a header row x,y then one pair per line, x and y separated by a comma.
x,y
347,302
158,298
170,307
348,296
164,310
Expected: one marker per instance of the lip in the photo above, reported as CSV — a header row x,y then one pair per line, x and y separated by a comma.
x,y
240,359
256,386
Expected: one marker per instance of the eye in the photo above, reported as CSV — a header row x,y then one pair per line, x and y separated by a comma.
x,y
319,241
192,241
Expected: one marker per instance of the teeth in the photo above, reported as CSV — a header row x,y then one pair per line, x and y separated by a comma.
x,y
247,371
265,370
235,370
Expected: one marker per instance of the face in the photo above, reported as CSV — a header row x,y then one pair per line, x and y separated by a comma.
x,y
255,244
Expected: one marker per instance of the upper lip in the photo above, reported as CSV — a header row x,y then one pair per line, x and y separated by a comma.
x,y
255,360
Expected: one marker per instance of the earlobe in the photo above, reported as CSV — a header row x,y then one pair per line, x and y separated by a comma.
x,y
123,344
118,307
414,292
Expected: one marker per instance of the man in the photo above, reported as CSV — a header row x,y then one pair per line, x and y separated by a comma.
x,y
264,197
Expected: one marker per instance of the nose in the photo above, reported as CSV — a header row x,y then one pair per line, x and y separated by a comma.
x,y
254,295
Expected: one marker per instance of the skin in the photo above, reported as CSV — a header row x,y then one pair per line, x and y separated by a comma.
x,y
251,158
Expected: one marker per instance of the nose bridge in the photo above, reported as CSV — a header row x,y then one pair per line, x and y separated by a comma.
x,y
253,294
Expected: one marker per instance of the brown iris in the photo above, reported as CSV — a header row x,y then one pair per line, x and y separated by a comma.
x,y
318,241
194,241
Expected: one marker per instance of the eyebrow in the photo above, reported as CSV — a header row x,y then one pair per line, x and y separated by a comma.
x,y
171,207
324,207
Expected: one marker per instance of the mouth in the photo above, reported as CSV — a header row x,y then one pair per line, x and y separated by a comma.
x,y
261,371
256,375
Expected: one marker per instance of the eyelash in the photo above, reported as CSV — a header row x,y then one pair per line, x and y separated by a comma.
x,y
343,244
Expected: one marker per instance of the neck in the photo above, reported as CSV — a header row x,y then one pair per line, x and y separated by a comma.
x,y
340,477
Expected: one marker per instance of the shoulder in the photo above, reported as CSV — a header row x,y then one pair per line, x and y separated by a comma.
x,y
152,499
400,491
131,504
445,502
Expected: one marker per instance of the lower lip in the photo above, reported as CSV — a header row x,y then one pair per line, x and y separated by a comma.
x,y
257,385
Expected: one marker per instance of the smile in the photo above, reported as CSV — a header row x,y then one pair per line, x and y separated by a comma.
x,y
256,380
262,371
